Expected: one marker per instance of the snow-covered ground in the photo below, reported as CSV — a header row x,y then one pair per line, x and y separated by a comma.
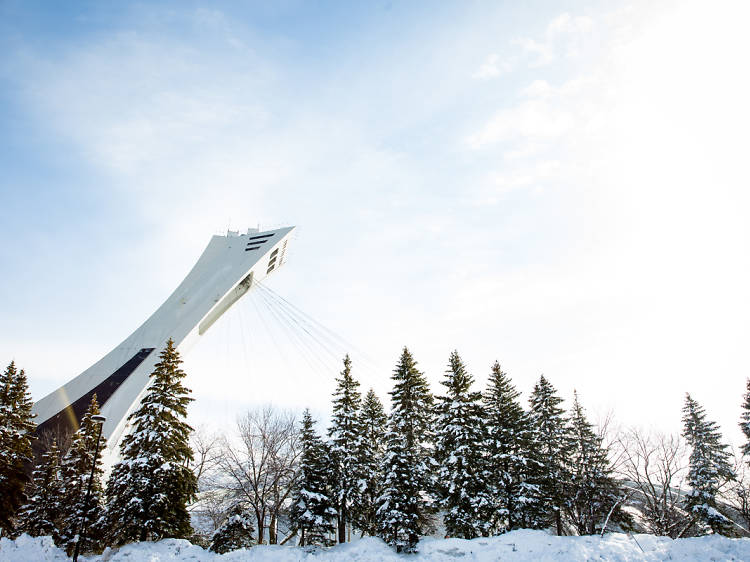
x,y
526,546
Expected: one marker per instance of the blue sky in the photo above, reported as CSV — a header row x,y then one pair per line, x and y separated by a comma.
x,y
558,185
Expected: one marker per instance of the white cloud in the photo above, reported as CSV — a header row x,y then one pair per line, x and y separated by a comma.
x,y
533,119
492,68
562,38
565,23
544,52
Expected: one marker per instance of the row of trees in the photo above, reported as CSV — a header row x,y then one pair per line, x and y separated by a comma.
x,y
480,459
147,492
477,461
487,465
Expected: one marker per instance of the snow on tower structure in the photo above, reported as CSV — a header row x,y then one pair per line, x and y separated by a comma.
x,y
225,271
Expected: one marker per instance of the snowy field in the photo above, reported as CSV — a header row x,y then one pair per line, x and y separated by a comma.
x,y
515,546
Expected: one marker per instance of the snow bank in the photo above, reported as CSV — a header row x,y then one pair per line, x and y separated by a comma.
x,y
518,546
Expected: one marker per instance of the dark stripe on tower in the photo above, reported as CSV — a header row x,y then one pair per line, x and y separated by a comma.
x,y
62,423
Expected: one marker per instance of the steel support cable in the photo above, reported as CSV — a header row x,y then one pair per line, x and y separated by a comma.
x,y
302,345
318,326
299,320
295,338
289,365
336,344
368,377
270,334
317,340
290,310
307,345
244,338
310,319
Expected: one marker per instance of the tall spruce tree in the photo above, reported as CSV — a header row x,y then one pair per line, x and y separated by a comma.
x,y
511,462
345,434
462,486
373,423
710,468
16,454
76,473
552,444
149,488
312,512
41,516
594,493
404,508
745,422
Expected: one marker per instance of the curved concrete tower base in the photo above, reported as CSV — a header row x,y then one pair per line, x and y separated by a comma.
x,y
224,272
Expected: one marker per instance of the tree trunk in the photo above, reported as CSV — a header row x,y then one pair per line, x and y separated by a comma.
x,y
261,517
342,523
272,529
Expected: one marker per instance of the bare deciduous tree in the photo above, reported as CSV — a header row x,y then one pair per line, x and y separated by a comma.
x,y
655,466
211,504
737,493
261,469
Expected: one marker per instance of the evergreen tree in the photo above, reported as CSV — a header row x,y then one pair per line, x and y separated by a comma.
x,y
76,472
235,533
745,422
462,488
373,423
345,434
594,493
511,462
16,426
312,512
710,467
41,516
149,488
404,508
552,444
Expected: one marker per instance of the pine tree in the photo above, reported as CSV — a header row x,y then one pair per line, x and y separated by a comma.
x,y
552,445
373,423
235,533
404,508
710,467
16,426
149,488
594,493
511,462
76,472
345,433
41,516
462,488
745,422
312,512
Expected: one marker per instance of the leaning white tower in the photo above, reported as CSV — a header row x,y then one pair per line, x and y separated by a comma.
x,y
225,271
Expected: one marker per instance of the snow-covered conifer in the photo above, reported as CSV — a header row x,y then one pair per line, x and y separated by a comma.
x,y
709,470
594,494
235,533
552,444
41,516
16,426
404,508
511,461
462,488
312,513
345,433
373,423
149,488
75,471
745,422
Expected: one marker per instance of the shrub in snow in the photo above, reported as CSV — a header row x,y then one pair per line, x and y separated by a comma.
x,y
235,533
